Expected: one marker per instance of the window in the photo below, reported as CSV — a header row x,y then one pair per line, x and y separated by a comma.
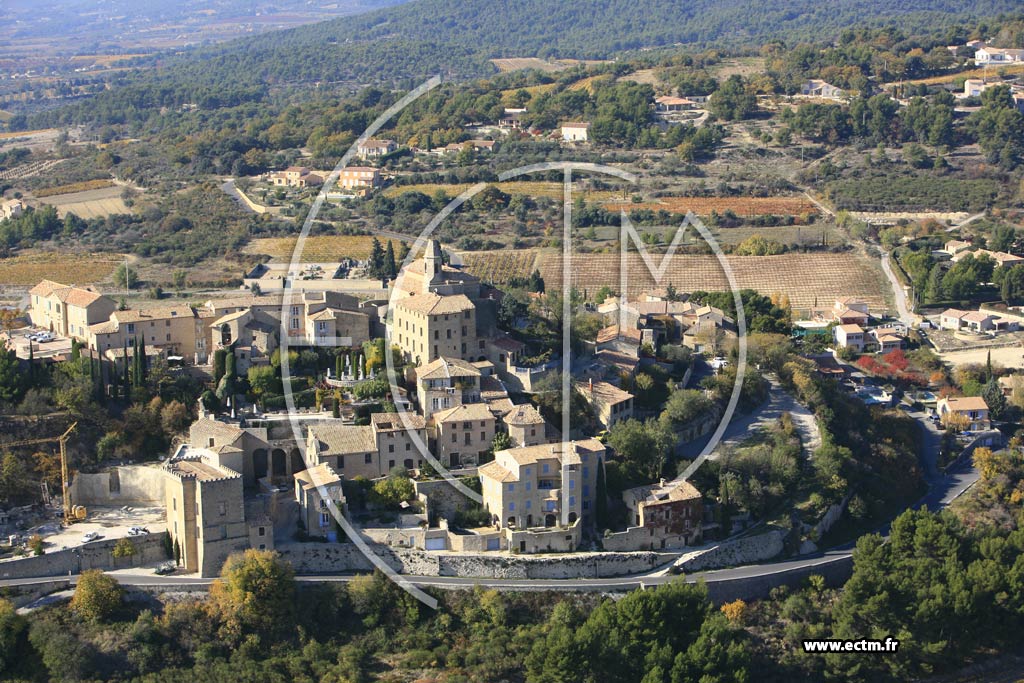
x,y
529,485
341,462
261,531
572,500
511,488
391,449
529,504
586,471
223,531
174,504
368,457
586,490
572,484
222,508
544,468
325,519
511,507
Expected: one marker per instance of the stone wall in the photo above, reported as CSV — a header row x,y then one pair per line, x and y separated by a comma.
x,y
734,553
139,484
640,537
331,558
96,555
441,497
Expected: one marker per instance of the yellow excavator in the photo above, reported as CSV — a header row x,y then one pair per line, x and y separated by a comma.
x,y
72,513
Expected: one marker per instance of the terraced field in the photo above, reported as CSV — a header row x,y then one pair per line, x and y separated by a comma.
x,y
808,279
90,203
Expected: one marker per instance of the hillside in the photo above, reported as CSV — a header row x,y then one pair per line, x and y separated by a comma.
x,y
457,37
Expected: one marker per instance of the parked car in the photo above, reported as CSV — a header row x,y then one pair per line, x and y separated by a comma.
x,y
45,337
138,531
165,568
91,536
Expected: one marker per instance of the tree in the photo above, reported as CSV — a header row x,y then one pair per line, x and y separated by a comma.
x,y
174,417
12,381
502,441
97,596
601,498
263,381
126,277
732,101
13,641
36,545
255,593
124,548
390,266
393,490
376,265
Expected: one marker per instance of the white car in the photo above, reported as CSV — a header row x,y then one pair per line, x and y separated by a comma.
x,y
44,337
138,531
91,536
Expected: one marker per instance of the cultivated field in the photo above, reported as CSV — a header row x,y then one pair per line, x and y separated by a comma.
x,y
806,278
83,186
498,267
741,206
316,249
89,204
517,63
79,269
532,188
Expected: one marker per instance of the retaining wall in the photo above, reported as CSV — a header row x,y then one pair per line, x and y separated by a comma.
x,y
96,555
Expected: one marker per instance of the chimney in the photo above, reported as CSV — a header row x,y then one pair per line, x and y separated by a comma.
x,y
661,482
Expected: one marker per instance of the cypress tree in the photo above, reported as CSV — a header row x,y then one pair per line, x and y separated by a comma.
x,y
389,261
142,361
601,499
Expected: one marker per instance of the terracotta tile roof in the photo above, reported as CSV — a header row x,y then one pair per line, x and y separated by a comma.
x,y
605,392
321,475
343,439
161,313
493,470
434,304
467,412
966,403
392,422
523,415
445,367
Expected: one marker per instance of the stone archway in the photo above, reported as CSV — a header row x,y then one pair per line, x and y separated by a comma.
x,y
549,520
259,463
296,461
278,463
572,518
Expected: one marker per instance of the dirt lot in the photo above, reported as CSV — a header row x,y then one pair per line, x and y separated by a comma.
x,y
108,522
1006,356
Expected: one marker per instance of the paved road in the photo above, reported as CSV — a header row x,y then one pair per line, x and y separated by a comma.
x,y
779,401
899,293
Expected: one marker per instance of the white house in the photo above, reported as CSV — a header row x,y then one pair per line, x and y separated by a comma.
x,y
575,131
12,208
850,336
819,88
998,55
971,409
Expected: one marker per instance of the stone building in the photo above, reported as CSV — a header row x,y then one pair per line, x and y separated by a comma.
x,y
540,496
205,511
462,434
68,311
368,451
446,383
525,425
315,489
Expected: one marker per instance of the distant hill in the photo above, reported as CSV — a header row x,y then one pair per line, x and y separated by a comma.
x,y
457,37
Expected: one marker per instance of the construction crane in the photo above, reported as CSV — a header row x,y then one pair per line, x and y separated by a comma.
x,y
70,515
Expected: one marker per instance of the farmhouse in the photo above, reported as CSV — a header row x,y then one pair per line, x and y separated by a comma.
x,y
670,104
819,88
12,208
575,131
954,247
373,149
175,330
360,179
296,176
67,310
668,514
511,119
